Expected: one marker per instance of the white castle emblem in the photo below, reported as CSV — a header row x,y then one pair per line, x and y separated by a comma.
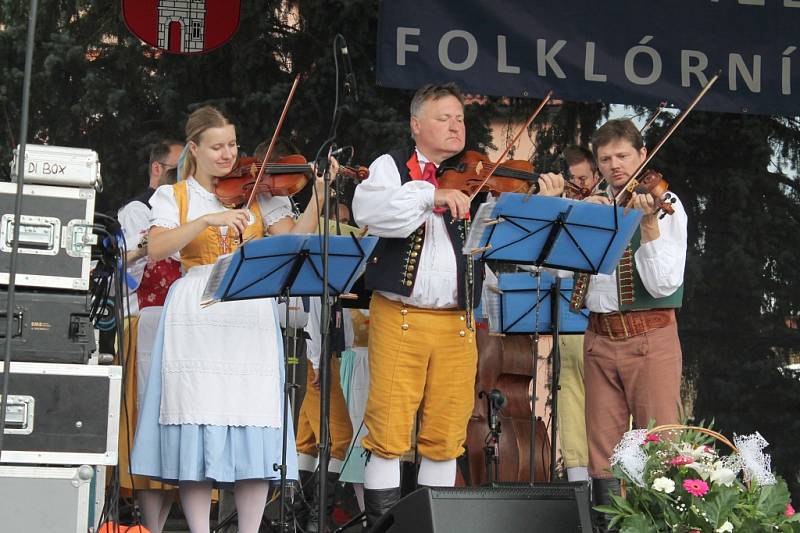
x,y
189,17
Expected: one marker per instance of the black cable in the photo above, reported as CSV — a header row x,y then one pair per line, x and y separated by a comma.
x,y
114,260
324,368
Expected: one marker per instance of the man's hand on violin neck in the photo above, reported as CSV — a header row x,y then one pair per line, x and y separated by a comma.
x,y
453,199
551,184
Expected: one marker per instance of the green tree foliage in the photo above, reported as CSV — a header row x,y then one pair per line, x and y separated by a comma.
x,y
95,85
742,282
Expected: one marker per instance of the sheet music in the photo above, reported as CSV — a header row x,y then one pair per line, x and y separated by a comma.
x,y
491,301
214,284
482,217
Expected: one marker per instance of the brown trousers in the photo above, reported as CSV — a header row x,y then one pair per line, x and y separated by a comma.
x,y
639,377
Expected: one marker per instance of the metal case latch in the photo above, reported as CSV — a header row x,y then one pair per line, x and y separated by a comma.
x,y
78,238
19,415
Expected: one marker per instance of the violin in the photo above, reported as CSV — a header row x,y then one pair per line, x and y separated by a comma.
x,y
357,173
469,176
287,176
652,182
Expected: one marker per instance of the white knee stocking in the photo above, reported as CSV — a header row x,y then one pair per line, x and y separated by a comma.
x,y
382,473
251,498
196,503
437,473
155,506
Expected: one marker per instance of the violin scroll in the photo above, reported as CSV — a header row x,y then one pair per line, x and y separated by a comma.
x,y
357,173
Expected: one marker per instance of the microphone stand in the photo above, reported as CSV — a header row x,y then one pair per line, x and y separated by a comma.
x,y
324,363
324,366
12,271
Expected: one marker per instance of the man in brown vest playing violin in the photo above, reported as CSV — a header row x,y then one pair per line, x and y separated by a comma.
x,y
632,354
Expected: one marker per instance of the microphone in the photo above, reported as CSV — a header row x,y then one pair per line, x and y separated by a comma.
x,y
497,398
341,149
350,87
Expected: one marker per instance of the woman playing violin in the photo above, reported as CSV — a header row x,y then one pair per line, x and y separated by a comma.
x,y
211,413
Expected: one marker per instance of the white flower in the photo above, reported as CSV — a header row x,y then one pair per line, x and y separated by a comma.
x,y
702,470
726,527
664,484
700,452
722,475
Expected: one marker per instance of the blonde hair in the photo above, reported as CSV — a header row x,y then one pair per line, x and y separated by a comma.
x,y
199,121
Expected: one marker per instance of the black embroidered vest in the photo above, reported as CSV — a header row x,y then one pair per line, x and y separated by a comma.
x,y
393,266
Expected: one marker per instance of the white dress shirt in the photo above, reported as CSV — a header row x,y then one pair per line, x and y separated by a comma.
x,y
394,210
660,264
134,217
314,342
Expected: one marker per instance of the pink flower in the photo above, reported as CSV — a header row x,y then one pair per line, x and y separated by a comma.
x,y
696,487
652,437
789,512
680,460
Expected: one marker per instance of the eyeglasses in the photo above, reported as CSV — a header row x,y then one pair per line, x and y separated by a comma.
x,y
167,166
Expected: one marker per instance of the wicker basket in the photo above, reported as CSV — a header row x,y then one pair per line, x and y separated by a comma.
x,y
680,427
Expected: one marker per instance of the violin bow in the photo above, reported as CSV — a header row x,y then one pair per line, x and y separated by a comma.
x,y
268,155
634,181
535,114
653,118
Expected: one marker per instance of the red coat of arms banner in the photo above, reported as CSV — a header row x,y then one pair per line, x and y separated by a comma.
x,y
182,26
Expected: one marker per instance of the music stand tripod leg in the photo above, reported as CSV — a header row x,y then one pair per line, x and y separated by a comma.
x,y
556,362
287,393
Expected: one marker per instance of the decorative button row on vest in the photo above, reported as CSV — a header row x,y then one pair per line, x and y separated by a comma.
x,y
414,246
579,292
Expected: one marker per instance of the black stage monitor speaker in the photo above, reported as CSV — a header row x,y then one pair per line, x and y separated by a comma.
x,y
540,508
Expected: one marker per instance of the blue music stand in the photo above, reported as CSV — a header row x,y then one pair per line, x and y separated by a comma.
x,y
525,297
285,266
558,233
274,266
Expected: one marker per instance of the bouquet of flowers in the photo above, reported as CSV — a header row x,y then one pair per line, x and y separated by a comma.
x,y
677,481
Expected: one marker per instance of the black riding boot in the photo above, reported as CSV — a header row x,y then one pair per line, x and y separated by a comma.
x,y
377,503
304,497
330,493
602,489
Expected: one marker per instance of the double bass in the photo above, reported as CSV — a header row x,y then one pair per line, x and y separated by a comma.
x,y
505,367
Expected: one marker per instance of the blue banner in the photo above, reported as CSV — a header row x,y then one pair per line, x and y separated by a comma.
x,y
615,51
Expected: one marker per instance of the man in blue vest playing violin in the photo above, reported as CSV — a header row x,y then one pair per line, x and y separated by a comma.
x,y
632,354
422,352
